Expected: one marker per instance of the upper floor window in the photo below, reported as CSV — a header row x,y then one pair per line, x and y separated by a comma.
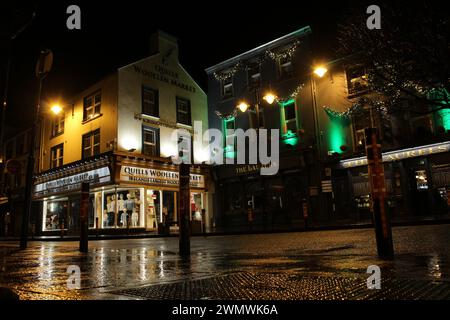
x,y
290,117
183,111
58,125
185,147
150,141
91,106
357,80
254,75
285,67
229,126
227,87
91,144
150,102
56,156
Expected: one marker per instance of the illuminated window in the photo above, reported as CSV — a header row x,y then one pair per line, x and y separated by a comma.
x,y
230,138
421,180
91,144
150,141
150,102
91,106
58,124
56,156
290,117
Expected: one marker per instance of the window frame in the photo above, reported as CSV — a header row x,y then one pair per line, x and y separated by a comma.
x,y
59,156
91,136
58,124
155,92
224,84
96,113
156,134
189,115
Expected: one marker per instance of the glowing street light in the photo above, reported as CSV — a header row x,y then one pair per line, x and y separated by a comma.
x,y
56,109
320,71
269,97
243,106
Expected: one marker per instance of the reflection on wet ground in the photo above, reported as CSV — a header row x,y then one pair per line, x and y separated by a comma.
x,y
40,272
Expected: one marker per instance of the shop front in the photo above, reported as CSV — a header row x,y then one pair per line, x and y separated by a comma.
x,y
417,185
126,195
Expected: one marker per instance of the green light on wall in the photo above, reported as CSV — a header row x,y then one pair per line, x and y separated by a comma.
x,y
444,114
229,151
336,136
288,102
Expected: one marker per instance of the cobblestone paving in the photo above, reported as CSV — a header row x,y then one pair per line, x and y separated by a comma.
x,y
271,286
308,265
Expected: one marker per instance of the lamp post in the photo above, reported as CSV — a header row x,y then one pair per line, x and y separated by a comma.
x,y
43,67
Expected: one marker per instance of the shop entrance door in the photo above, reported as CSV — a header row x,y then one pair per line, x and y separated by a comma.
x,y
197,219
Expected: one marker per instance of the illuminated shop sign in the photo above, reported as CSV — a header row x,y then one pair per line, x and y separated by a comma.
x,y
158,177
400,154
73,182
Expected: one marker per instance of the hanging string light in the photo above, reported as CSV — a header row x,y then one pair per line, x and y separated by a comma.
x,y
226,116
284,54
241,65
291,96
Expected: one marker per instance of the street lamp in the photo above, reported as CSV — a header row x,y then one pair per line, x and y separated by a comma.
x,y
270,97
243,106
56,109
320,71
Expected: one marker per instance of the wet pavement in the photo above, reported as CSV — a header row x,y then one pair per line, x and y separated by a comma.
x,y
303,265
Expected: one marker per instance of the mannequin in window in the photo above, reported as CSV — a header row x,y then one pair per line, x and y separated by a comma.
x,y
111,209
121,209
129,207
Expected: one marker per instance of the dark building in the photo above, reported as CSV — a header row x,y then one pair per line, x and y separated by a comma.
x,y
322,179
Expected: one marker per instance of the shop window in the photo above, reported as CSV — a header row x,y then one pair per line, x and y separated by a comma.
x,y
153,208
58,125
196,206
128,208
91,144
150,141
357,80
91,106
150,102
227,88
56,156
421,180
183,111
55,215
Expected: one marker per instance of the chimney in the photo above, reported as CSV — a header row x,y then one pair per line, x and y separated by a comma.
x,y
165,44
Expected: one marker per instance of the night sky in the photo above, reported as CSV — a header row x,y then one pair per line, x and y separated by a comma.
x,y
117,33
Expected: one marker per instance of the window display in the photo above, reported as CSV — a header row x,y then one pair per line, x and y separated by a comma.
x,y
55,215
153,209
